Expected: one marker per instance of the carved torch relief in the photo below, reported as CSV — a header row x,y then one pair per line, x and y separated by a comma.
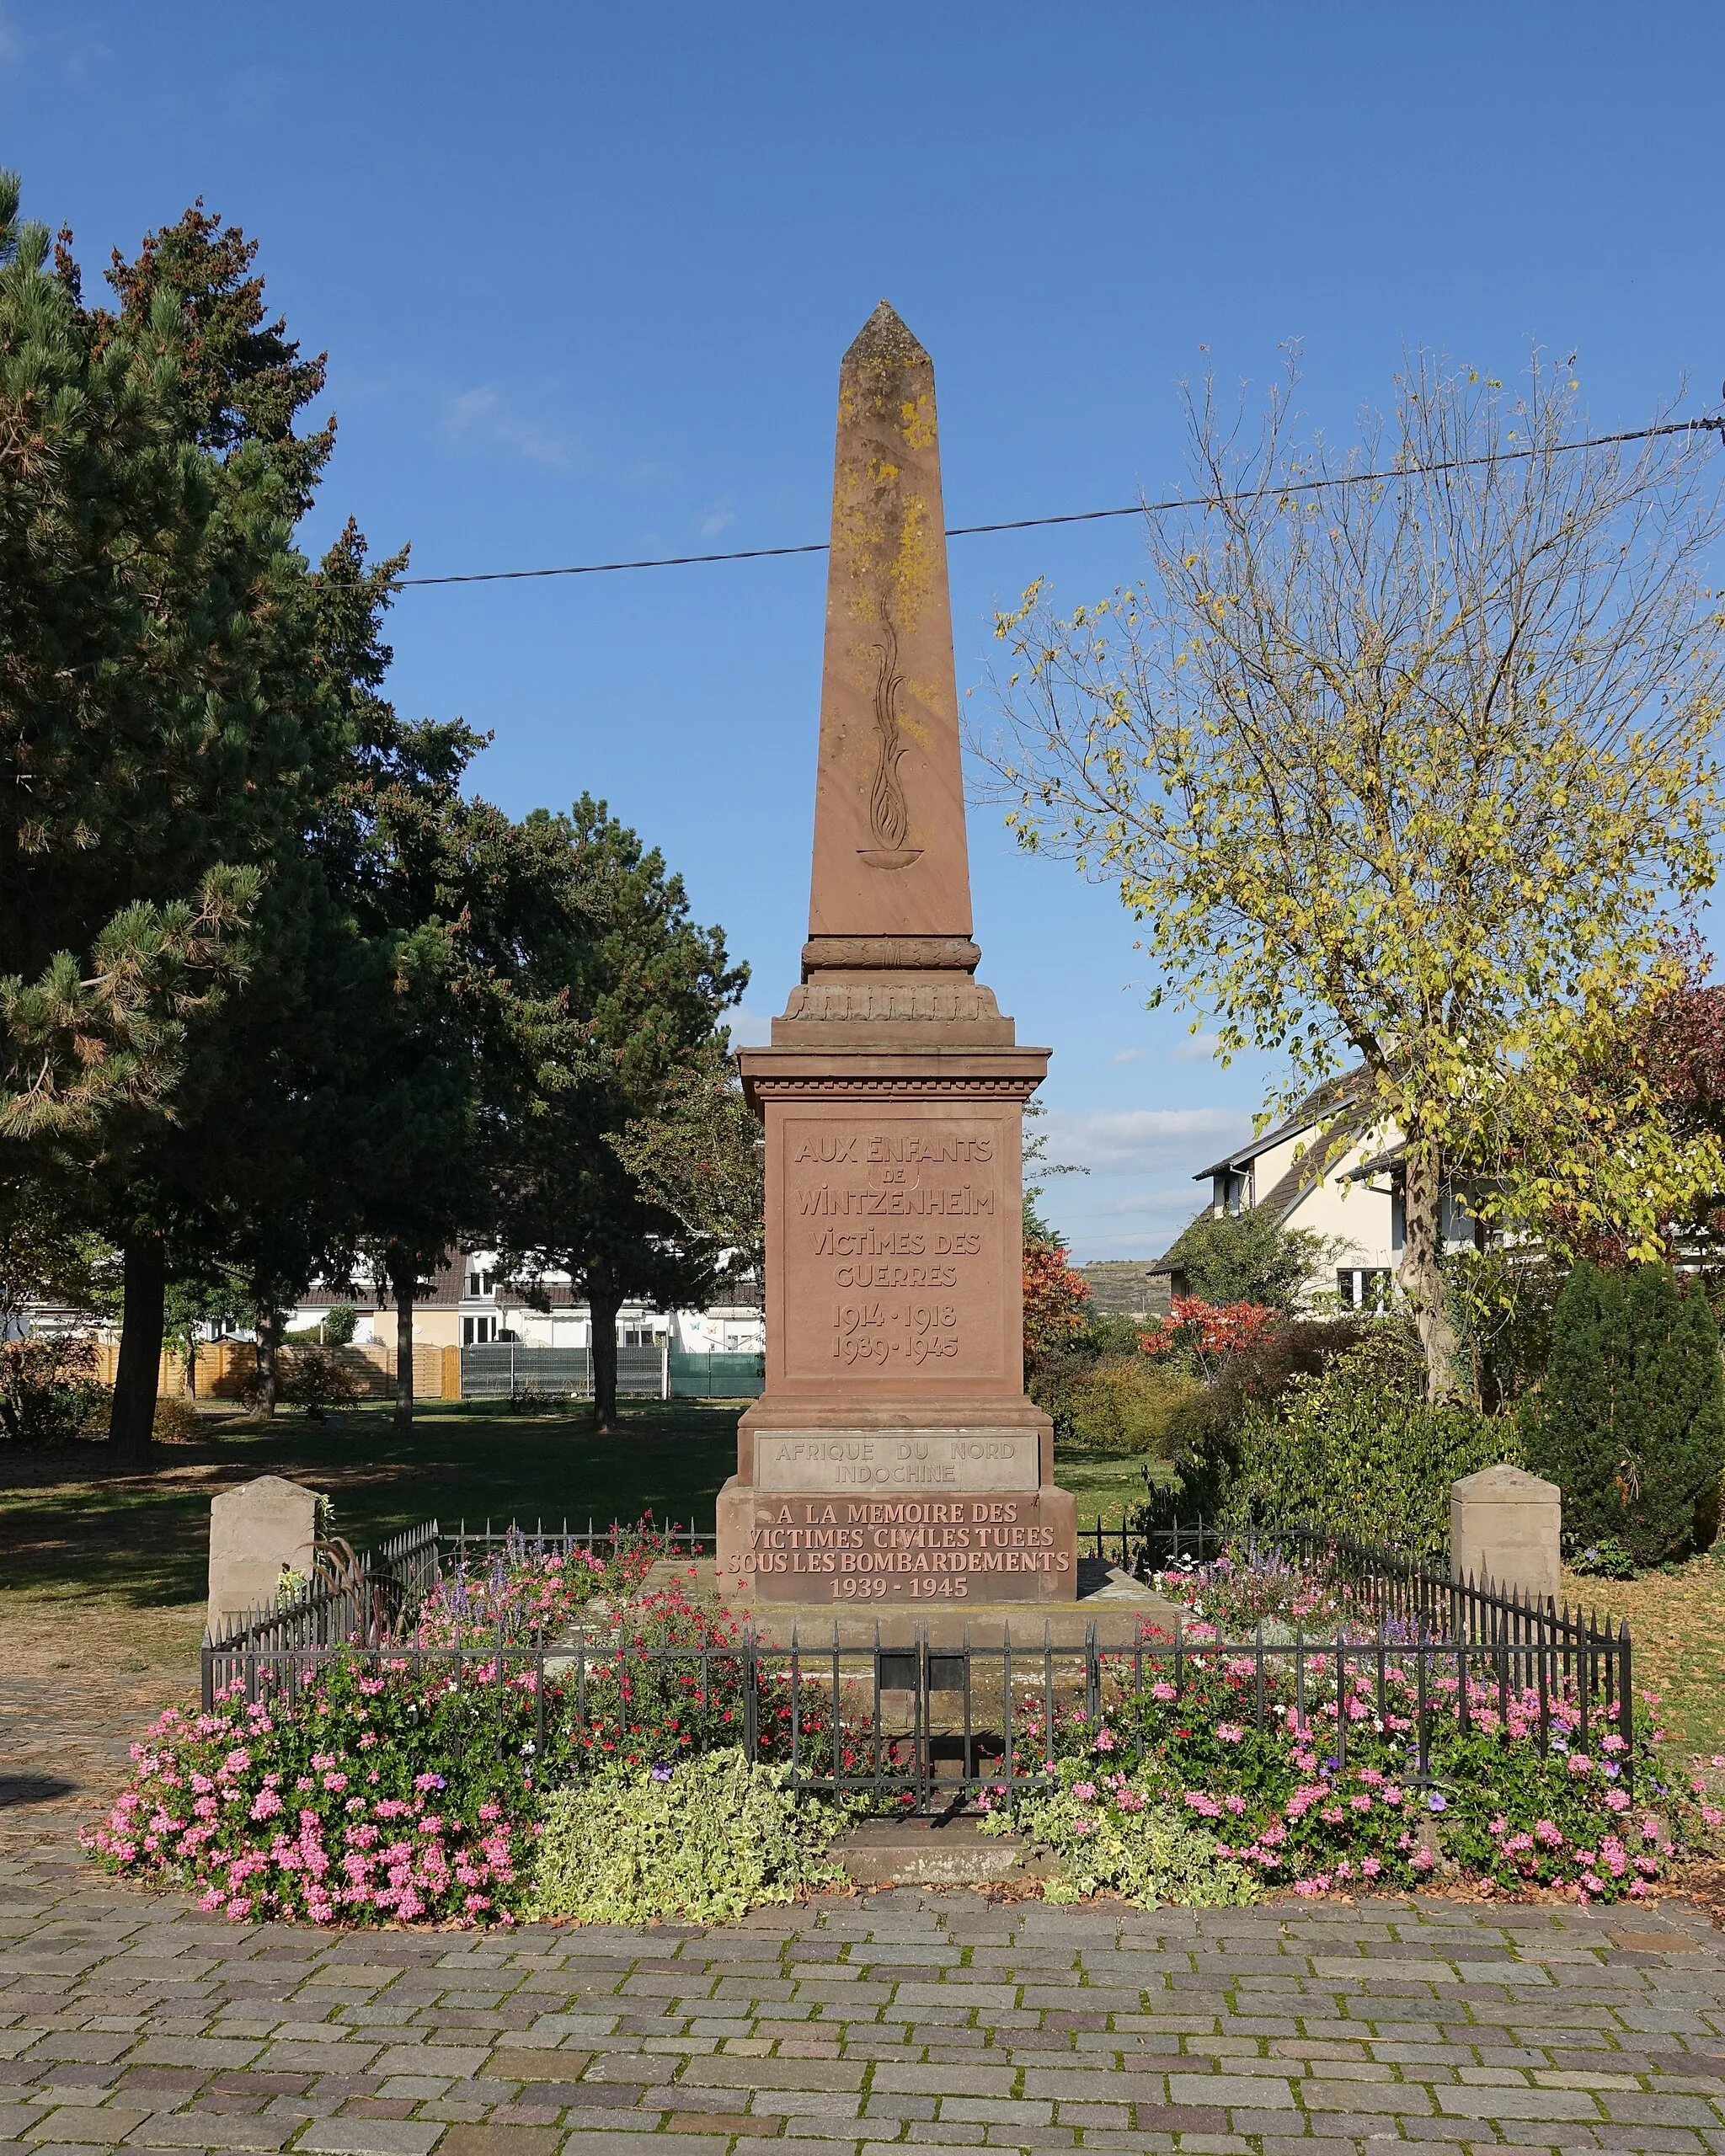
x,y
888,816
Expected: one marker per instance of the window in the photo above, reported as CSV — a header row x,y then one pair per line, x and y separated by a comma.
x,y
478,1331
1364,1288
638,1335
481,1284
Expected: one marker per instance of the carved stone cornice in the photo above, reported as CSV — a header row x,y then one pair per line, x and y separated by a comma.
x,y
845,1087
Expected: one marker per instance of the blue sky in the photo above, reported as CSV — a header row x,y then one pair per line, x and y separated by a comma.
x,y
585,274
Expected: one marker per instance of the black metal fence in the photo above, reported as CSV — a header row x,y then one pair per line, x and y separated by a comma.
x,y
362,1602
926,1726
372,1602
931,1723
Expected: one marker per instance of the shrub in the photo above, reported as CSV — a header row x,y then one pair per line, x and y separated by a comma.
x,y
1110,1837
341,1325
1198,1337
314,1379
1248,1257
1123,1405
176,1421
1203,1436
1055,1296
707,1839
1357,1449
1631,1422
48,1388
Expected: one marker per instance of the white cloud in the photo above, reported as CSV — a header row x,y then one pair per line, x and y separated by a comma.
x,y
719,518
484,416
1128,1055
1142,1138
749,1029
1196,1047
1181,1197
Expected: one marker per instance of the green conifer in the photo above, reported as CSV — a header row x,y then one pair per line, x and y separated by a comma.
x,y
1574,1439
1674,1406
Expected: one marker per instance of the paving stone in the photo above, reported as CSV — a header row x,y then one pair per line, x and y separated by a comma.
x,y
371,2136
209,2130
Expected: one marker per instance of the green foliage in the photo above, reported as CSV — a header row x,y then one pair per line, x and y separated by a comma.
x,y
1358,1449
647,988
48,1388
315,1379
1149,1852
1248,1257
705,1840
1631,1422
700,1156
1204,1428
1122,1404
1501,1303
339,1328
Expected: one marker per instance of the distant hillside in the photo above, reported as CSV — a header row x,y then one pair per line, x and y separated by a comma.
x,y
1125,1287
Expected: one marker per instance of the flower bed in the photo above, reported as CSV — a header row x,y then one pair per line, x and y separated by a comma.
x,y
368,1796
1298,1808
416,1785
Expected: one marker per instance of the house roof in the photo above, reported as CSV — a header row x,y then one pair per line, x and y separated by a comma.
x,y
1322,1101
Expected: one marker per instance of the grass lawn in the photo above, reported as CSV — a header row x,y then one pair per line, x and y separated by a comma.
x,y
1677,1628
93,1564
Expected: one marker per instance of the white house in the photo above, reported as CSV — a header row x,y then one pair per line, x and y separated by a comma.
x,y
1330,1171
468,1304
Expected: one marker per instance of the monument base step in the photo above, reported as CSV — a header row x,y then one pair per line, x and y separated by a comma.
x,y
933,1853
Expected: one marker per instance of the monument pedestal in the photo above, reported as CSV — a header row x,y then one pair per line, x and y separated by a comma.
x,y
893,1460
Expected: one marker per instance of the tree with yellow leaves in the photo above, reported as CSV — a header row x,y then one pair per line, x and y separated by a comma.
x,y
1416,769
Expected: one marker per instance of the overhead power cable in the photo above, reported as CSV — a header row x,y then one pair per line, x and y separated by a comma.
x,y
1715,425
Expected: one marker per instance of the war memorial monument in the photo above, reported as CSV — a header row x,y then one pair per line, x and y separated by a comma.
x,y
892,1461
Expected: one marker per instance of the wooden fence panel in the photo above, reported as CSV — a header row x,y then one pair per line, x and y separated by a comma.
x,y
225,1368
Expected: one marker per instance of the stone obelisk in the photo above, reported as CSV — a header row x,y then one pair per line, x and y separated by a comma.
x,y
893,1460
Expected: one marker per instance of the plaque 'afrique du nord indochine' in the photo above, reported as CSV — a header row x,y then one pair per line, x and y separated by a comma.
x,y
892,1461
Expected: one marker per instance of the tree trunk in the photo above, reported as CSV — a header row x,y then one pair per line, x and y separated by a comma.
x,y
269,1372
603,1300
131,1424
403,1279
1421,1272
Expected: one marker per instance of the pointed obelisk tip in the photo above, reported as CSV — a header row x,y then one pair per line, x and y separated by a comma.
x,y
884,336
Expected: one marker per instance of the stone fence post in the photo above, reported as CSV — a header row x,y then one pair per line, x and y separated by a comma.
x,y
257,1532
1506,1530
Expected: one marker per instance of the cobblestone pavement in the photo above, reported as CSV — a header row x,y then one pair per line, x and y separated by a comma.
x,y
903,2017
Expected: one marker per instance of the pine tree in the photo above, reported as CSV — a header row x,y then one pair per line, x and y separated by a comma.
x,y
1574,1439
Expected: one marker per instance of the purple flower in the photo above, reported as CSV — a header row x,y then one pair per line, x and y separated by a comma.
x,y
661,1771
1434,1802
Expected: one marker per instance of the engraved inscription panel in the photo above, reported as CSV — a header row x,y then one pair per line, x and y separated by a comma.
x,y
919,1460
849,1551
896,1234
